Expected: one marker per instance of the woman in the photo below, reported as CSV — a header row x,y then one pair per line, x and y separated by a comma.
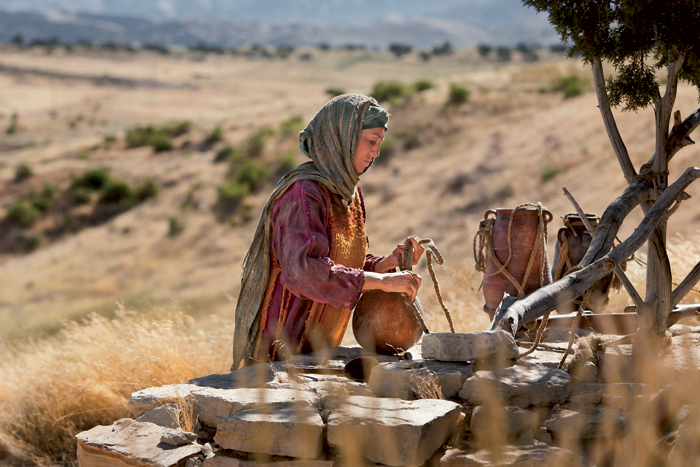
x,y
308,264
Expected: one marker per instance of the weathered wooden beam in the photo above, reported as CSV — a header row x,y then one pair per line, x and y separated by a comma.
x,y
686,285
609,121
513,312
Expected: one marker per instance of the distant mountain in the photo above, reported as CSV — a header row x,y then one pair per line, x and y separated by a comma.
x,y
276,22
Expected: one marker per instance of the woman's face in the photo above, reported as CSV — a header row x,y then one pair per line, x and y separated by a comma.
x,y
367,148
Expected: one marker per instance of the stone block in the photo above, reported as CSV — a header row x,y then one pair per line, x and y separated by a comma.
x,y
286,429
150,398
223,461
406,380
388,431
247,377
128,443
509,421
523,456
166,415
570,425
460,347
212,406
520,385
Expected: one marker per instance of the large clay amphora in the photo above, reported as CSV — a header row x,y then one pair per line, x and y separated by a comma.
x,y
519,244
573,241
383,322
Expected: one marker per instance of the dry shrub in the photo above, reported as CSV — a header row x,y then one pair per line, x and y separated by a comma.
x,y
54,389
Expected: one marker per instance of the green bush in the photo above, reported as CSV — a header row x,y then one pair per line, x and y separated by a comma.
x,y
231,192
215,136
286,163
175,226
22,213
149,189
458,95
117,192
423,85
292,126
161,141
386,151
14,125
388,90
23,172
251,174
571,86
43,200
256,142
484,50
227,154
333,92
27,241
80,194
109,139
550,171
92,179
160,138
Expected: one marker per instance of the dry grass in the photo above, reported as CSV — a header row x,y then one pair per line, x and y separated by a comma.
x,y
83,376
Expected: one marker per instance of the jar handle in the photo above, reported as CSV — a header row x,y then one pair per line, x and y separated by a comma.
x,y
547,216
491,211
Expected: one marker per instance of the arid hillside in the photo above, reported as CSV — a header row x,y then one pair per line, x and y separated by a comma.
x,y
176,235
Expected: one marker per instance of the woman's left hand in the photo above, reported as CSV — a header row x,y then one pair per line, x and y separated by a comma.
x,y
418,251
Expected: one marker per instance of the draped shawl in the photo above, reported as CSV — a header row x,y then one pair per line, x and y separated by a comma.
x,y
331,137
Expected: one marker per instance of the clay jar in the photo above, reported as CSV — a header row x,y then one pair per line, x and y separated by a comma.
x,y
522,241
384,323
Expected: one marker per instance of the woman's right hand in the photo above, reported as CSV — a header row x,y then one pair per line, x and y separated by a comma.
x,y
404,282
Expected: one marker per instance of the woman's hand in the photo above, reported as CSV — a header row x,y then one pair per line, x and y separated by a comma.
x,y
394,259
404,282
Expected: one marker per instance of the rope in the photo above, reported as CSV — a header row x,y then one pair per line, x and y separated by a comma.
x,y
405,264
574,327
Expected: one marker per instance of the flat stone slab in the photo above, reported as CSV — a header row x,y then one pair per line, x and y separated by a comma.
x,y
166,415
522,456
150,398
223,461
569,423
460,347
212,406
514,421
320,384
389,431
286,429
247,377
407,380
520,385
130,443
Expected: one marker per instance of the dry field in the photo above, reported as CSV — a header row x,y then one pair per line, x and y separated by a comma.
x,y
448,166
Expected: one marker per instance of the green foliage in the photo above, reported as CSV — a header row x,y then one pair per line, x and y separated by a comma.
x,y
458,95
444,49
292,126
92,179
23,213
44,199
175,226
148,189
484,50
503,54
14,125
27,241
550,171
117,192
386,151
286,163
256,142
627,33
333,92
251,174
232,192
400,49
161,141
160,138
23,172
388,90
571,86
215,136
79,194
423,85
227,154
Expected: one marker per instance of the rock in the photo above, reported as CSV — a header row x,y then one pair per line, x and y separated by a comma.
x,y
194,462
207,450
319,384
586,373
508,421
166,415
570,425
410,431
178,438
527,438
618,365
520,385
212,406
459,347
130,443
285,429
247,377
522,456
147,399
222,461
404,380
543,357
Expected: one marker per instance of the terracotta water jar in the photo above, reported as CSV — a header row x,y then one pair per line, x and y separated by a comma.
x,y
522,241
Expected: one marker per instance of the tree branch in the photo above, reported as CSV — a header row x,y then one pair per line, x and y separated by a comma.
x,y
686,285
513,312
663,118
609,120
680,134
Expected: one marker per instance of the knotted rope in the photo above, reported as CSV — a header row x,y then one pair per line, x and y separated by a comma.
x,y
405,264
